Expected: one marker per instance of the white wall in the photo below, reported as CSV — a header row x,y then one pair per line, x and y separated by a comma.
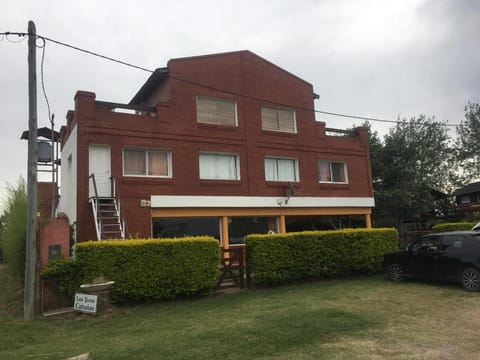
x,y
68,184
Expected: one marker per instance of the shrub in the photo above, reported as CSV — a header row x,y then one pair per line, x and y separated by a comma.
x,y
153,268
282,258
457,226
14,228
66,272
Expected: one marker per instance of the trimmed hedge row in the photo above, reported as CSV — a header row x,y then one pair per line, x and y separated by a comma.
x,y
457,226
150,269
284,258
66,272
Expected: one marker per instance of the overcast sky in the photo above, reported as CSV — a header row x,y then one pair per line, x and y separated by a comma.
x,y
371,58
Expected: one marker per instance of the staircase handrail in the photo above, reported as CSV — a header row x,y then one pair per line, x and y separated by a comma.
x,y
121,210
96,208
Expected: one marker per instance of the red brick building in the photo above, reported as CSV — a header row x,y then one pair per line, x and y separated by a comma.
x,y
224,144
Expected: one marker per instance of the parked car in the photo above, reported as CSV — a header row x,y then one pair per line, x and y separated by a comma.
x,y
451,256
476,227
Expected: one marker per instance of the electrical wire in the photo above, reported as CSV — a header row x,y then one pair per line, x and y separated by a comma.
x,y
297,107
204,85
43,46
5,36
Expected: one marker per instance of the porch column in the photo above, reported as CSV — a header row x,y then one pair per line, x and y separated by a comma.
x,y
281,224
224,231
368,221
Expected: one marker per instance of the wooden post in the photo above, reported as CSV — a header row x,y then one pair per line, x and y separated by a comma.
x,y
31,245
224,232
368,221
281,224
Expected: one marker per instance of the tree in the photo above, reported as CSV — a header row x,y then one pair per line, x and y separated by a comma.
x,y
1,230
14,230
468,144
412,161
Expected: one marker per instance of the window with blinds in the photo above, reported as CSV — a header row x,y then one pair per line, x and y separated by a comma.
x,y
276,119
216,111
281,169
332,172
147,162
215,166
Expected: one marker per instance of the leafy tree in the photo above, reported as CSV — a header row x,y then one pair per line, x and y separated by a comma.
x,y
412,161
468,144
1,230
14,230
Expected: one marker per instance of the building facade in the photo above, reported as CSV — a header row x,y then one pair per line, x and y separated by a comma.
x,y
224,145
468,201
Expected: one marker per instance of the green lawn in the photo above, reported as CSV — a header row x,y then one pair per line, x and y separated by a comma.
x,y
361,318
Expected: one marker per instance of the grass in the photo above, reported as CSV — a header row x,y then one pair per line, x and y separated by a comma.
x,y
360,318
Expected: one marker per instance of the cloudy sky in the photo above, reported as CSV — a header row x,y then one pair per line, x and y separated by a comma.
x,y
372,58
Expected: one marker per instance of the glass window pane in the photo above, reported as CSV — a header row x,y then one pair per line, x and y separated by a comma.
x,y
286,169
270,169
216,111
157,163
278,119
218,166
225,113
338,172
134,162
329,171
280,169
324,171
286,121
206,111
269,119
180,227
239,227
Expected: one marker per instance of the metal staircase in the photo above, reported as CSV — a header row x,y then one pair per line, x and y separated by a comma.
x,y
109,217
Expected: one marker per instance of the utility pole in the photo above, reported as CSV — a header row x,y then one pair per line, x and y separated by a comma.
x,y
31,241
54,187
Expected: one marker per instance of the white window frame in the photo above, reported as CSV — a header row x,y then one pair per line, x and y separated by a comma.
x,y
330,162
276,177
217,100
235,156
278,109
146,150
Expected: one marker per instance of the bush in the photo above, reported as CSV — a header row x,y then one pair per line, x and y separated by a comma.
x,y
283,258
151,269
66,272
14,228
457,226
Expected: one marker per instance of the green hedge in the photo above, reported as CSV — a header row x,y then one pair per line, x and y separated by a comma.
x,y
66,272
457,226
148,269
283,258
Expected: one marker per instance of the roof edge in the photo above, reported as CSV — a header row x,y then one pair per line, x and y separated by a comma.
x,y
152,82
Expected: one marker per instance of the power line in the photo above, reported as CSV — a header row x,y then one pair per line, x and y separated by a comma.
x,y
203,85
43,46
298,107
79,49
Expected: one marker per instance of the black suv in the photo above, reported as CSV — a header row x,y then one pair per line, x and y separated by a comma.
x,y
439,256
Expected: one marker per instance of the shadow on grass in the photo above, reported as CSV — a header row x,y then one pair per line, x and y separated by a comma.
x,y
268,334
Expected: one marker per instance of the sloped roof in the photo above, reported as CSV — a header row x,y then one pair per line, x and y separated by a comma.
x,y
469,189
160,74
157,77
44,132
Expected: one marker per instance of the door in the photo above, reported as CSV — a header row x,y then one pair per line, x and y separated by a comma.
x,y
452,250
424,257
99,164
